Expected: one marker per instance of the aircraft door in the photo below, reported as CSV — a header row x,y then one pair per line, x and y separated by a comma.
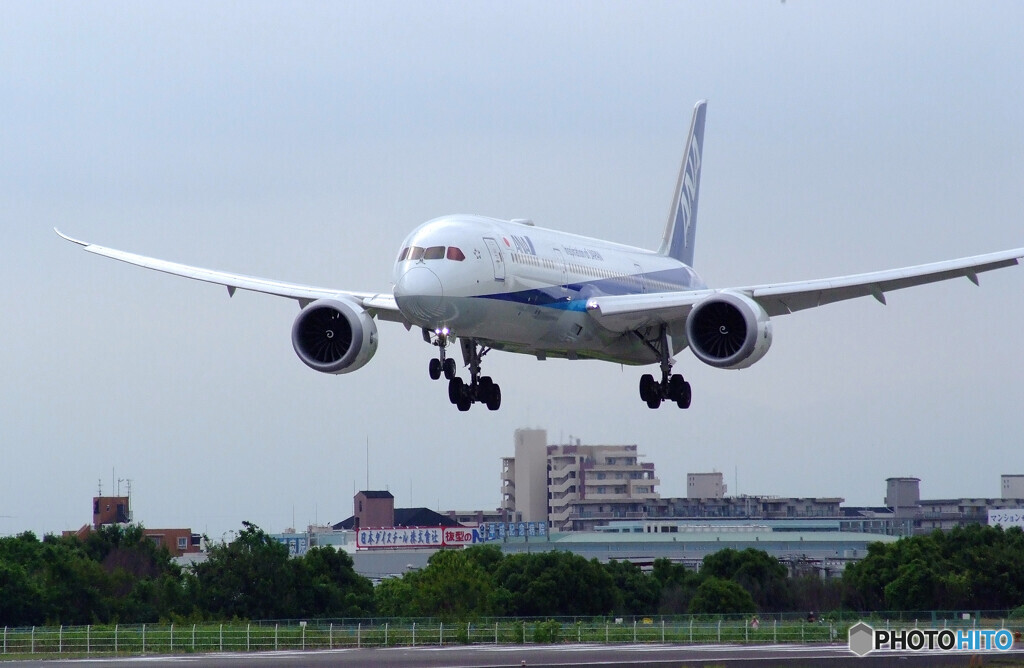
x,y
560,259
496,258
640,278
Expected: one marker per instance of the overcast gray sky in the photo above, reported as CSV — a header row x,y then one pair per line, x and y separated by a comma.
x,y
302,141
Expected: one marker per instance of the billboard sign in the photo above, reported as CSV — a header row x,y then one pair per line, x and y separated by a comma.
x,y
462,536
1006,517
412,537
399,537
297,544
502,530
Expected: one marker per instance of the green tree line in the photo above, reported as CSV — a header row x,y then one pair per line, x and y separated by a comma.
x,y
116,574
971,568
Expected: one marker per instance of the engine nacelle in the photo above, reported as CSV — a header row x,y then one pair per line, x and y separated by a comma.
x,y
334,336
729,331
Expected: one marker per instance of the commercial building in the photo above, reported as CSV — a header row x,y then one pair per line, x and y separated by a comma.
x,y
376,509
823,552
109,510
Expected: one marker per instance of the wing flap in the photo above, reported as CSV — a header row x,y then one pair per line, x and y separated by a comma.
x,y
623,313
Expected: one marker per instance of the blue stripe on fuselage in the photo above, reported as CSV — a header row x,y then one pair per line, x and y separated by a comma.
x,y
574,296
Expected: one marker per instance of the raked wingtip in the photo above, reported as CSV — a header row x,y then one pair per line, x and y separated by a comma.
x,y
71,239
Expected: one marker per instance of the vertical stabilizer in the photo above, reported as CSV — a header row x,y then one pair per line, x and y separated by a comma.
x,y
682,219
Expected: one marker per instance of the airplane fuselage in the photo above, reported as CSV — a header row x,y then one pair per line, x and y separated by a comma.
x,y
521,288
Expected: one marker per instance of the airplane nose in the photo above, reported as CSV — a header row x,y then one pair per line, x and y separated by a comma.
x,y
420,295
419,282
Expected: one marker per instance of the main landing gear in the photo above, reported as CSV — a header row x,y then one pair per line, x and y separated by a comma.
x,y
673,387
480,389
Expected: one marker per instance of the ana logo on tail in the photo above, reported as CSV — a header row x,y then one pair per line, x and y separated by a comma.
x,y
682,224
688,193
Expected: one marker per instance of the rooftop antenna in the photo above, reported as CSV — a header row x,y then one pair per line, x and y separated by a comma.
x,y
367,462
99,485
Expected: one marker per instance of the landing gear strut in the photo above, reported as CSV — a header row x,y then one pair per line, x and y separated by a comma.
x,y
479,388
673,387
442,364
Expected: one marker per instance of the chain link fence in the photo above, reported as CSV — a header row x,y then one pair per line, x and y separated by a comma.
x,y
140,639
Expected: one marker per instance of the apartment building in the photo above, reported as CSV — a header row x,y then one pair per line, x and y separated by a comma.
x,y
573,486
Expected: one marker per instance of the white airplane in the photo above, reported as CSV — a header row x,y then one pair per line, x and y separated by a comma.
x,y
508,285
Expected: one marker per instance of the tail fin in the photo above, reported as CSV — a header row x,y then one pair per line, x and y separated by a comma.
x,y
682,220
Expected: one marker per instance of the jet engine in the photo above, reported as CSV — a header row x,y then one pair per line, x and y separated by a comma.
x,y
729,331
334,336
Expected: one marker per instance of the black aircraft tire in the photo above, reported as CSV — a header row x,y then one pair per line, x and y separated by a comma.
x,y
494,398
455,390
646,387
686,395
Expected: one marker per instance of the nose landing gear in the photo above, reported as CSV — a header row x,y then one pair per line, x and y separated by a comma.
x,y
442,364
480,389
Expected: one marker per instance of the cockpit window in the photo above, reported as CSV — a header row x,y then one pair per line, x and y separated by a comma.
x,y
412,253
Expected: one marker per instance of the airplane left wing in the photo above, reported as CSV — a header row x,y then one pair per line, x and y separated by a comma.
x,y
628,312
379,304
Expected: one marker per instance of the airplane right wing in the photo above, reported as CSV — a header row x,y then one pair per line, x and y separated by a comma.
x,y
382,305
624,313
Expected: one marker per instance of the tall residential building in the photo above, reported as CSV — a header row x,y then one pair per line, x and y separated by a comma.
x,y
524,477
592,484
575,486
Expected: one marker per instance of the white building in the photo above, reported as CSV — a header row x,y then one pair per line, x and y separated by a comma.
x,y
705,486
1013,486
575,486
524,477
